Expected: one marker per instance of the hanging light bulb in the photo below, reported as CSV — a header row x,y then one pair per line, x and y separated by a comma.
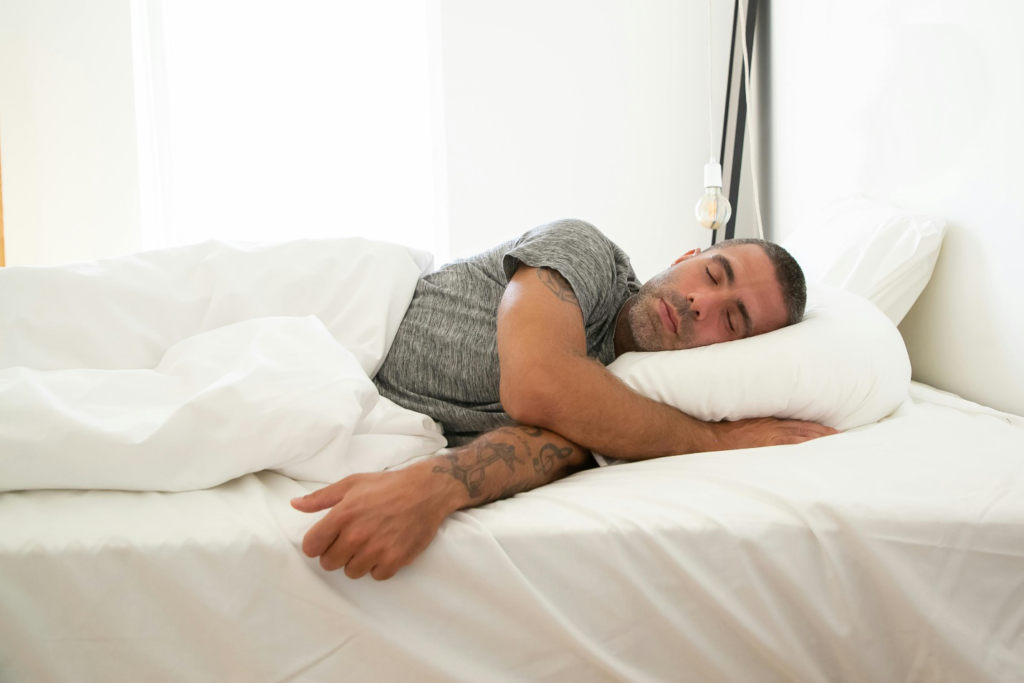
x,y
713,209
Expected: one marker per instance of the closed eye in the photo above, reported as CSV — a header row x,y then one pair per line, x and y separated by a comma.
x,y
710,275
728,317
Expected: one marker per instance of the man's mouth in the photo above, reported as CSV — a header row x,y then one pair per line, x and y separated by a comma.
x,y
668,318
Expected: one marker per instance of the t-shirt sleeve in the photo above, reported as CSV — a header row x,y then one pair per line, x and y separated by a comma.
x,y
577,250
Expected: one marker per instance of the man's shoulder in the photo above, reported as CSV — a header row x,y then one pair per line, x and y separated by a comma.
x,y
571,228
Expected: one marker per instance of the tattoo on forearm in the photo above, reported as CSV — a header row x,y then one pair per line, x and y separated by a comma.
x,y
554,281
507,445
472,475
549,452
513,489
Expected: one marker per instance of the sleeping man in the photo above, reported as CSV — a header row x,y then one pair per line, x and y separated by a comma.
x,y
507,351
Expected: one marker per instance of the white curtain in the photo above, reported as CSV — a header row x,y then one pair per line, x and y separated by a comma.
x,y
275,120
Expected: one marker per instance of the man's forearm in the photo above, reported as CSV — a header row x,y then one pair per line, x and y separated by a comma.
x,y
595,409
380,521
501,463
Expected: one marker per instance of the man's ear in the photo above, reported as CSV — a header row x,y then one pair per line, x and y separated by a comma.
x,y
692,252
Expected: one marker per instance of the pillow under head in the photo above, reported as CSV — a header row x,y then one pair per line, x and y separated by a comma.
x,y
844,365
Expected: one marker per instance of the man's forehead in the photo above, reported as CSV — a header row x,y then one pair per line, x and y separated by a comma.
x,y
747,254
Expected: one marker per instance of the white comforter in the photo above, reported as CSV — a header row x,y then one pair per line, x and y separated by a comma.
x,y
180,369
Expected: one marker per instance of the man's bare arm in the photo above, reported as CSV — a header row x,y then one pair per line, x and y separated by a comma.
x,y
595,409
602,413
530,456
547,380
382,521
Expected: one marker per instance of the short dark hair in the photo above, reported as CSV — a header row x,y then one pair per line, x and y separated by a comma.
x,y
787,272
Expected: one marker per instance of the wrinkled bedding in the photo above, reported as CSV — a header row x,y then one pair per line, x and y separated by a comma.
x,y
212,383
892,552
180,369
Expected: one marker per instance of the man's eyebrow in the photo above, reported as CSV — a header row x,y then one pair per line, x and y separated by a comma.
x,y
746,319
726,266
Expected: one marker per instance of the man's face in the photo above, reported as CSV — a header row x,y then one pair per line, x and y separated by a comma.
x,y
728,293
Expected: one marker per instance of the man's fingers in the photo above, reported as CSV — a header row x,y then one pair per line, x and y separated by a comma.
x,y
768,431
815,426
789,432
359,565
336,557
807,431
810,428
811,433
383,572
318,539
329,496
324,533
321,499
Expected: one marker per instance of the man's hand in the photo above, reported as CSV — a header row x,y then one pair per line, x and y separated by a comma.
x,y
763,431
379,522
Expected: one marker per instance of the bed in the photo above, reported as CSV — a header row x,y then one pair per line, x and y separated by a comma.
x,y
890,552
893,551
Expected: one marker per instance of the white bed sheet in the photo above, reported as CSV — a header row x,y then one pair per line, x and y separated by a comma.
x,y
894,552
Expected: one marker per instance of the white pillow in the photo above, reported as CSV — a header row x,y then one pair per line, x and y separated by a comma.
x,y
844,366
881,252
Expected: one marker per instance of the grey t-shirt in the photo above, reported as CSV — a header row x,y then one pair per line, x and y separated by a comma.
x,y
444,360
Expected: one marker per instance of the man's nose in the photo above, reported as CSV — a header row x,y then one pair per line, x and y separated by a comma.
x,y
703,304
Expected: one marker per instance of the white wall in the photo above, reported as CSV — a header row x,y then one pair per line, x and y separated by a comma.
x,y
277,120
67,131
918,104
593,109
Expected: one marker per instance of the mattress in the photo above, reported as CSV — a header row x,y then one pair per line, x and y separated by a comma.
x,y
893,552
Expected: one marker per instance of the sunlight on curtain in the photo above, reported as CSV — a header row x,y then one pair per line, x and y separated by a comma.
x,y
273,120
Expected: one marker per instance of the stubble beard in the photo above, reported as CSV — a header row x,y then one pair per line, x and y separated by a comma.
x,y
645,321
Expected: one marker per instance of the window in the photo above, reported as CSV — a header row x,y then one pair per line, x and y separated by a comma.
x,y
273,120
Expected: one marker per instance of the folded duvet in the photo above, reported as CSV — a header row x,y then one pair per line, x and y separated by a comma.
x,y
183,368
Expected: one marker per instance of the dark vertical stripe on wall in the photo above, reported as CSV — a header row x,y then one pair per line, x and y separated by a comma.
x,y
739,125
728,79
728,92
741,119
